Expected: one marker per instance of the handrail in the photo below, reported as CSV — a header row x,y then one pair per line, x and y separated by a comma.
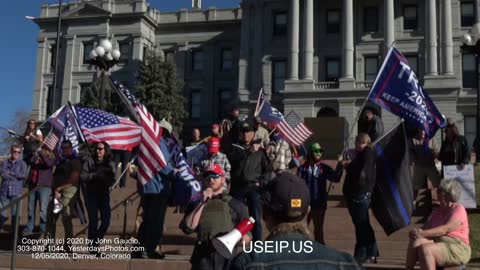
x,y
327,85
19,198
18,202
132,197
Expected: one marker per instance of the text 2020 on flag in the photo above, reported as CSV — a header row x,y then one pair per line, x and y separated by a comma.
x,y
397,90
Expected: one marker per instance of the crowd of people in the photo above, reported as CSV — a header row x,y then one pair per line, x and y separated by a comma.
x,y
250,170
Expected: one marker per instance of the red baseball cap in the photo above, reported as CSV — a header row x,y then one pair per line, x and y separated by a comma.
x,y
215,126
214,168
213,145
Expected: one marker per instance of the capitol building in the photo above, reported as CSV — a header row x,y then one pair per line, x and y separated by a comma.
x,y
309,56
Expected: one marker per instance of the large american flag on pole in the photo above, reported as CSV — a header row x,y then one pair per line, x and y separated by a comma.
x,y
290,127
150,156
119,132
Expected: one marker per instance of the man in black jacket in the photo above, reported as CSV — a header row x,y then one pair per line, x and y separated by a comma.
x,y
251,170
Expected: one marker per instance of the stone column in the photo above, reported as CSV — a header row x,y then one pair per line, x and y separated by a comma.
x,y
389,27
136,52
293,38
258,38
431,41
244,48
477,11
447,41
181,60
308,40
39,94
137,47
67,93
347,38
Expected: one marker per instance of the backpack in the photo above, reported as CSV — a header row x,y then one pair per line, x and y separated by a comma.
x,y
217,218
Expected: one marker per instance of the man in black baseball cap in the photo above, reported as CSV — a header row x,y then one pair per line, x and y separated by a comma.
x,y
286,198
286,203
251,170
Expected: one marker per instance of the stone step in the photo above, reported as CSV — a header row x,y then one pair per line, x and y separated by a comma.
x,y
338,228
177,262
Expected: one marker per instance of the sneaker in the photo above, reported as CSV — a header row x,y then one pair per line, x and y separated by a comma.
x,y
26,232
153,255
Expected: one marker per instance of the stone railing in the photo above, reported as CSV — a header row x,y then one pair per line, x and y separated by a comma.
x,y
364,84
326,85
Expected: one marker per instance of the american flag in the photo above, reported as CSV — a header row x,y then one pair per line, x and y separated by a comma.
x,y
97,126
150,156
64,127
51,141
291,127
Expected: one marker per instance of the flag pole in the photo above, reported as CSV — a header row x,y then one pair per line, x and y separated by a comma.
x,y
386,133
354,124
124,171
125,101
77,123
258,102
366,100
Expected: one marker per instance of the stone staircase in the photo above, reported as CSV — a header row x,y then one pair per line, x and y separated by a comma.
x,y
339,234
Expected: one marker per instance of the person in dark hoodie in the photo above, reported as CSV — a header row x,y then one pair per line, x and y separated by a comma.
x,y
98,174
454,150
357,189
315,173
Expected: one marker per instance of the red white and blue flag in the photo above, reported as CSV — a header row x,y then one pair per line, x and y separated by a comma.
x,y
150,156
397,90
64,127
51,140
290,127
119,132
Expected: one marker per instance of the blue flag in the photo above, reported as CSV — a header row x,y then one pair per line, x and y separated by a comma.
x,y
267,112
196,153
186,187
64,124
397,90
392,199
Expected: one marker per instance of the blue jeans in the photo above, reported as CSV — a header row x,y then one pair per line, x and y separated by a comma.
x,y
251,197
366,245
97,203
4,200
43,196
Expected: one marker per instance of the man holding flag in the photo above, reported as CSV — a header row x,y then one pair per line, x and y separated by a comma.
x,y
155,195
156,173
397,90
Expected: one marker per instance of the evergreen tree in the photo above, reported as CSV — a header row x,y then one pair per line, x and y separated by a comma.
x,y
106,100
160,91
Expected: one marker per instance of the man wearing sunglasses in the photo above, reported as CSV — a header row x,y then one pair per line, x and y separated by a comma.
x,y
315,173
216,214
13,173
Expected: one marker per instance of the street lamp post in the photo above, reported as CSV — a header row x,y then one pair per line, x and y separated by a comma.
x,y
104,57
471,41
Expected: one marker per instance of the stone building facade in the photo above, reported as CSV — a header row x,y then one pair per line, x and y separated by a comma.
x,y
307,55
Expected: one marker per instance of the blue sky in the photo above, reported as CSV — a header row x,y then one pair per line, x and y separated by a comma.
x,y
18,50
